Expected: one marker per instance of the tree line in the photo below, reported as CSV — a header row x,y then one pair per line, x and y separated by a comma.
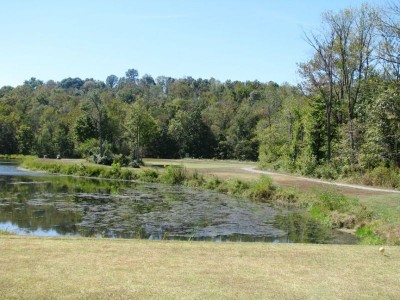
x,y
342,119
123,118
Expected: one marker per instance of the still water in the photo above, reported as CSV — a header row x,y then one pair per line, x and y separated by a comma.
x,y
46,205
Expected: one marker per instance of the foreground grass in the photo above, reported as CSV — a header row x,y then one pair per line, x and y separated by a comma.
x,y
135,269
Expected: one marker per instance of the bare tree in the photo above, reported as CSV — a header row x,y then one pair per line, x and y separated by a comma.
x,y
342,61
319,71
354,48
389,44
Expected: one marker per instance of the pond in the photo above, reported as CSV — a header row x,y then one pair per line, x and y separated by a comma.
x,y
50,205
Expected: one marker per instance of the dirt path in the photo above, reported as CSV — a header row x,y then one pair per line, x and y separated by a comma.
x,y
292,180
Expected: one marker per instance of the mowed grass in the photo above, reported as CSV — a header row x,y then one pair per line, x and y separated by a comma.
x,y
386,206
70,268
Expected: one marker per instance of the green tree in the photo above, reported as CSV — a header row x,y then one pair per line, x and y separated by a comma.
x,y
141,128
132,75
26,138
96,111
111,81
191,134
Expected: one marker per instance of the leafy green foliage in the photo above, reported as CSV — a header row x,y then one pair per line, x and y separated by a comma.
x,y
369,236
174,175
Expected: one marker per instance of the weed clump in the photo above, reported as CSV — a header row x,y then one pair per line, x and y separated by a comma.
x,y
212,183
149,175
174,175
369,236
195,180
263,190
338,210
234,187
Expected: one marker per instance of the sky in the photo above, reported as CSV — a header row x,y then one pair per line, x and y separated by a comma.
x,y
224,39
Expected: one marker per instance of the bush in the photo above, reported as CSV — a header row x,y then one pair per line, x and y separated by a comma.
x,y
382,176
326,171
116,170
369,236
127,174
195,180
331,200
123,160
212,183
337,210
262,190
307,165
149,175
235,187
174,175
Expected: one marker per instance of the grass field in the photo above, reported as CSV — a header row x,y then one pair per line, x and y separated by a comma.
x,y
69,268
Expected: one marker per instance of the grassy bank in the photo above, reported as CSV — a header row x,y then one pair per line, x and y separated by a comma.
x,y
136,269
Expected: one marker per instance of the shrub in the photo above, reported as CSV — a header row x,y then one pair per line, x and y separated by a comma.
x,y
212,183
234,187
382,176
307,164
123,160
149,175
174,175
337,210
94,171
326,171
331,200
369,236
262,190
195,180
127,174
116,170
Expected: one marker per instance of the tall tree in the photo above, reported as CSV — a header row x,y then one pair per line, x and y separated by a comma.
x,y
354,29
96,110
111,81
319,73
132,74
140,127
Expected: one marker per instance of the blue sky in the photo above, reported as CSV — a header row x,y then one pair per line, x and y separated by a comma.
x,y
224,39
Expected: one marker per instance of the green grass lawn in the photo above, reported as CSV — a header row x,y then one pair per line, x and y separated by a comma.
x,y
386,207
70,268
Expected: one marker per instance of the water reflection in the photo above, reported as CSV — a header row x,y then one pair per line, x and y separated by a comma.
x,y
62,205
303,228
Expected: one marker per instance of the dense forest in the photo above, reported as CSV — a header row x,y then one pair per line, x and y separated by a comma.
x,y
342,120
